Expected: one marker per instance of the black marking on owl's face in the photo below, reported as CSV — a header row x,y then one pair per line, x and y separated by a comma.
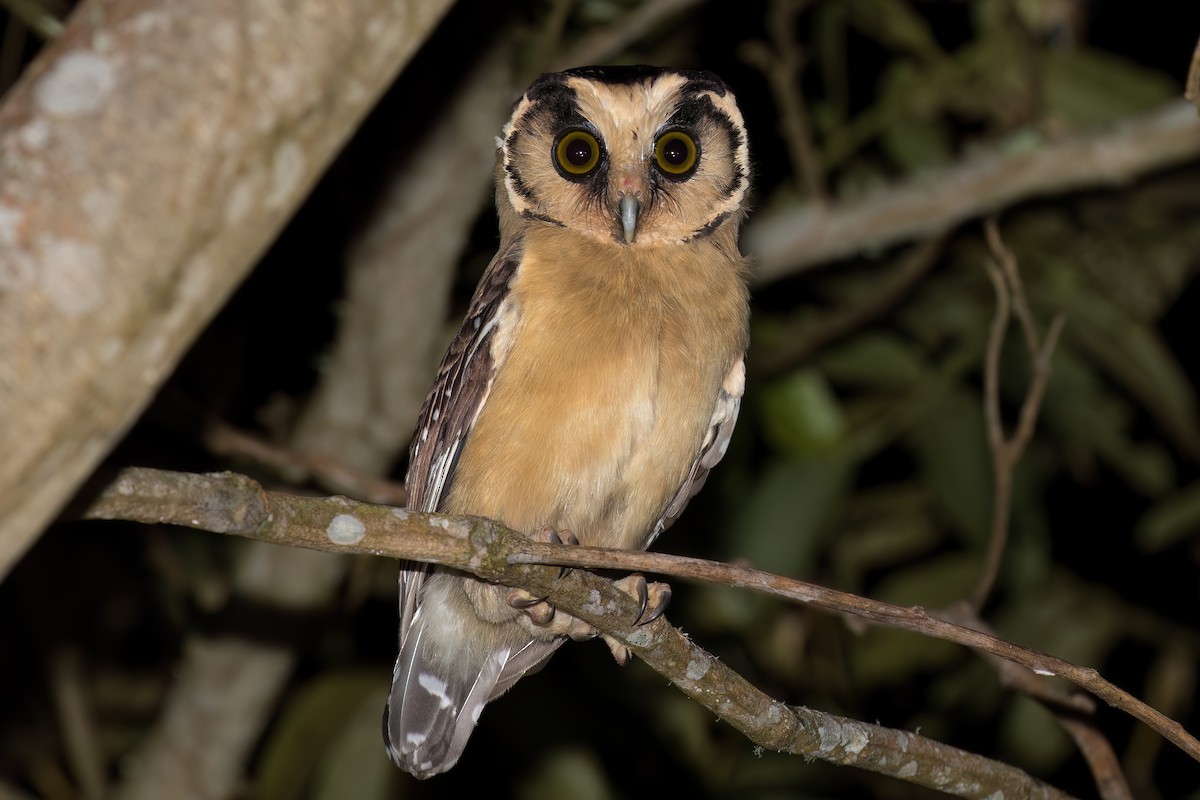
x,y
678,206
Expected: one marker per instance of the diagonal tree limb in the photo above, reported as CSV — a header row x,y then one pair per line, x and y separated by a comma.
x,y
147,158
785,240
228,503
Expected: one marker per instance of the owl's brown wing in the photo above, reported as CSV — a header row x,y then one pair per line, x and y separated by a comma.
x,y
712,449
464,380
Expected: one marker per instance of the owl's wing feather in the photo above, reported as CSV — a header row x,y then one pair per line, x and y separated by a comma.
x,y
712,449
460,389
429,717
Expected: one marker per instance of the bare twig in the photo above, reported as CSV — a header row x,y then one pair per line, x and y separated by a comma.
x,y
225,440
1098,752
1006,452
782,64
598,47
36,16
788,239
75,722
233,504
1074,710
1192,90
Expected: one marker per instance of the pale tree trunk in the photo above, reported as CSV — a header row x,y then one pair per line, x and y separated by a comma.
x,y
147,158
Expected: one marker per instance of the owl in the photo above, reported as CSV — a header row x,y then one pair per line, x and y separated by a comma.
x,y
595,381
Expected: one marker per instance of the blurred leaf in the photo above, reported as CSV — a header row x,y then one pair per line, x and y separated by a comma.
x,y
1085,87
1035,618
1135,355
884,526
1081,410
566,772
800,414
311,724
1170,521
933,583
354,765
914,143
874,360
896,25
781,529
1033,736
950,446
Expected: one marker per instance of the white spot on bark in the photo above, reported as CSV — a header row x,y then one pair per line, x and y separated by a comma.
x,y
110,349
100,208
34,134
79,83
241,198
399,513
70,275
908,770
856,740
346,529
10,223
286,173
697,668
640,638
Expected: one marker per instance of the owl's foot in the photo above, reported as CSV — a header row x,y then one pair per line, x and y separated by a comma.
x,y
539,609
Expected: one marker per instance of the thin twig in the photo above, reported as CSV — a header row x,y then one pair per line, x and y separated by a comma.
x,y
782,64
225,440
813,335
36,16
1192,92
1074,710
234,504
602,45
76,723
1006,452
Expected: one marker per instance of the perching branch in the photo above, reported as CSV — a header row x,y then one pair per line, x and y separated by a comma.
x,y
785,240
228,503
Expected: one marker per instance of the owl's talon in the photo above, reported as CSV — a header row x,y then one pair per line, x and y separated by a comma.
x,y
620,653
653,596
540,611
551,536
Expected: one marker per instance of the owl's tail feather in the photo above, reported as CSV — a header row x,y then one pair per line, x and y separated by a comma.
x,y
429,717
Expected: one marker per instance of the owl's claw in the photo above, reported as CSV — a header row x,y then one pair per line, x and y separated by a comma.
x,y
653,596
554,537
652,600
539,609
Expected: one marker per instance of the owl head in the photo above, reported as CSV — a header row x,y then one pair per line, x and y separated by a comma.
x,y
639,156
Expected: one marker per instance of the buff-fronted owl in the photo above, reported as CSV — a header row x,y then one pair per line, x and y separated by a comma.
x,y
596,379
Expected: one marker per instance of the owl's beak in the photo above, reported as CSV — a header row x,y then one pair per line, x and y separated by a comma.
x,y
630,209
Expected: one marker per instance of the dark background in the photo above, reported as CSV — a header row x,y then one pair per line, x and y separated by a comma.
x,y
861,466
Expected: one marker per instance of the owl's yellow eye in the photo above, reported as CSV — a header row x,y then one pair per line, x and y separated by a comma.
x,y
577,153
675,152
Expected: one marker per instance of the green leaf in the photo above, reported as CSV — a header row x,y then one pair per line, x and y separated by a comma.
x,y
800,415
310,725
781,529
1170,521
950,445
353,764
873,360
1087,88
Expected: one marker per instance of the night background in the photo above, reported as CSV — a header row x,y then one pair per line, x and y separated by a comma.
x,y
860,462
